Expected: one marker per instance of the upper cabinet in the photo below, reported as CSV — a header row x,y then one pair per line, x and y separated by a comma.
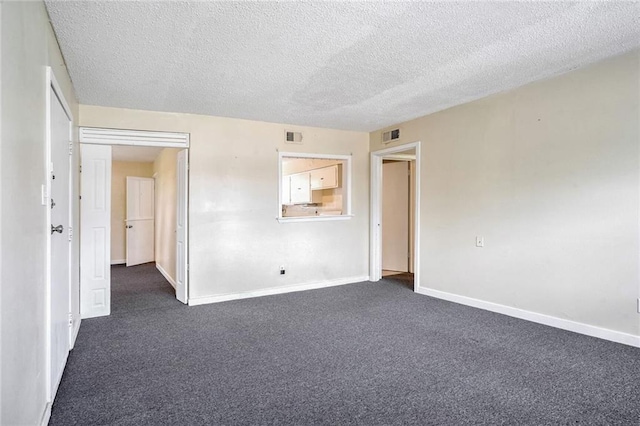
x,y
286,190
305,187
324,178
300,188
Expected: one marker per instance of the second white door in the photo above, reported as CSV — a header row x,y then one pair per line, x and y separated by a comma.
x,y
140,220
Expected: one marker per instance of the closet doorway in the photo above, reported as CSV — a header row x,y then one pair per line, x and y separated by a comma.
x,y
121,219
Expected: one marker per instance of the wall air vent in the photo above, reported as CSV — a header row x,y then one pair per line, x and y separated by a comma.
x,y
390,135
293,137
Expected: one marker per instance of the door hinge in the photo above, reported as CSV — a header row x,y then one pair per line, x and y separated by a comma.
x,y
70,147
70,320
80,169
70,233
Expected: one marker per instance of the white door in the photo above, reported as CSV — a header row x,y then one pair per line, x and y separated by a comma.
x,y
95,238
395,216
59,203
182,218
140,220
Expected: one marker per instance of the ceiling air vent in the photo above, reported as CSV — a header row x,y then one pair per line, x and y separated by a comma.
x,y
293,137
390,135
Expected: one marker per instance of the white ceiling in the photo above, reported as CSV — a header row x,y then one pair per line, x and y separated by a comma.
x,y
346,65
141,154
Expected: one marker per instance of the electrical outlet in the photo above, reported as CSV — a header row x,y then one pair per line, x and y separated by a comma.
x,y
479,241
282,270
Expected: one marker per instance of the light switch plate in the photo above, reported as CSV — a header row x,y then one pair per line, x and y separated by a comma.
x,y
44,195
479,241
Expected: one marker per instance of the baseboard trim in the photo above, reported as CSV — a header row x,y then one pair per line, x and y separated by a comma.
x,y
46,416
276,290
74,333
119,262
564,324
166,275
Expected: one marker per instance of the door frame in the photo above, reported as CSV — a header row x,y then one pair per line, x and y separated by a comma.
x,y
52,84
375,247
157,139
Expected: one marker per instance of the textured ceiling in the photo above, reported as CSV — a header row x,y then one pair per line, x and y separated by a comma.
x,y
141,154
345,65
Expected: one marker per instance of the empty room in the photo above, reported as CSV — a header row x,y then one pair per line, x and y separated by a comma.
x,y
324,212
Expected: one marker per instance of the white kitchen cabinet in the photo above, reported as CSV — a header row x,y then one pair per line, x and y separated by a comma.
x,y
286,190
296,189
324,178
300,188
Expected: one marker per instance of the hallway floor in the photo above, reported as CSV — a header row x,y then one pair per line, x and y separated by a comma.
x,y
140,287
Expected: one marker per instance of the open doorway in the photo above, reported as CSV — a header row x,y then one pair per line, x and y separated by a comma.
x,y
398,174
395,204
143,226
133,223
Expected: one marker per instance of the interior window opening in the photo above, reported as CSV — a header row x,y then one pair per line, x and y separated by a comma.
x,y
314,187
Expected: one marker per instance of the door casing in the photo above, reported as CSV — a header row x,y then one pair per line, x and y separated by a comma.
x,y
375,248
104,136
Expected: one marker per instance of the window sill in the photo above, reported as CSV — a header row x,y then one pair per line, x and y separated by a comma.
x,y
314,218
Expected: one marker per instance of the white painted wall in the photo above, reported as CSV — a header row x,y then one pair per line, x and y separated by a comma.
x,y
549,175
28,45
236,243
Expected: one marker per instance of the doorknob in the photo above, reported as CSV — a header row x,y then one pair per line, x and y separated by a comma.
x,y
129,226
57,229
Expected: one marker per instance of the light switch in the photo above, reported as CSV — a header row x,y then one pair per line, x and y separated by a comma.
x,y
44,194
479,241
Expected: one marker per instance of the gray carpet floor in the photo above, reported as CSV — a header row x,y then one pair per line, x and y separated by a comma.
x,y
367,354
